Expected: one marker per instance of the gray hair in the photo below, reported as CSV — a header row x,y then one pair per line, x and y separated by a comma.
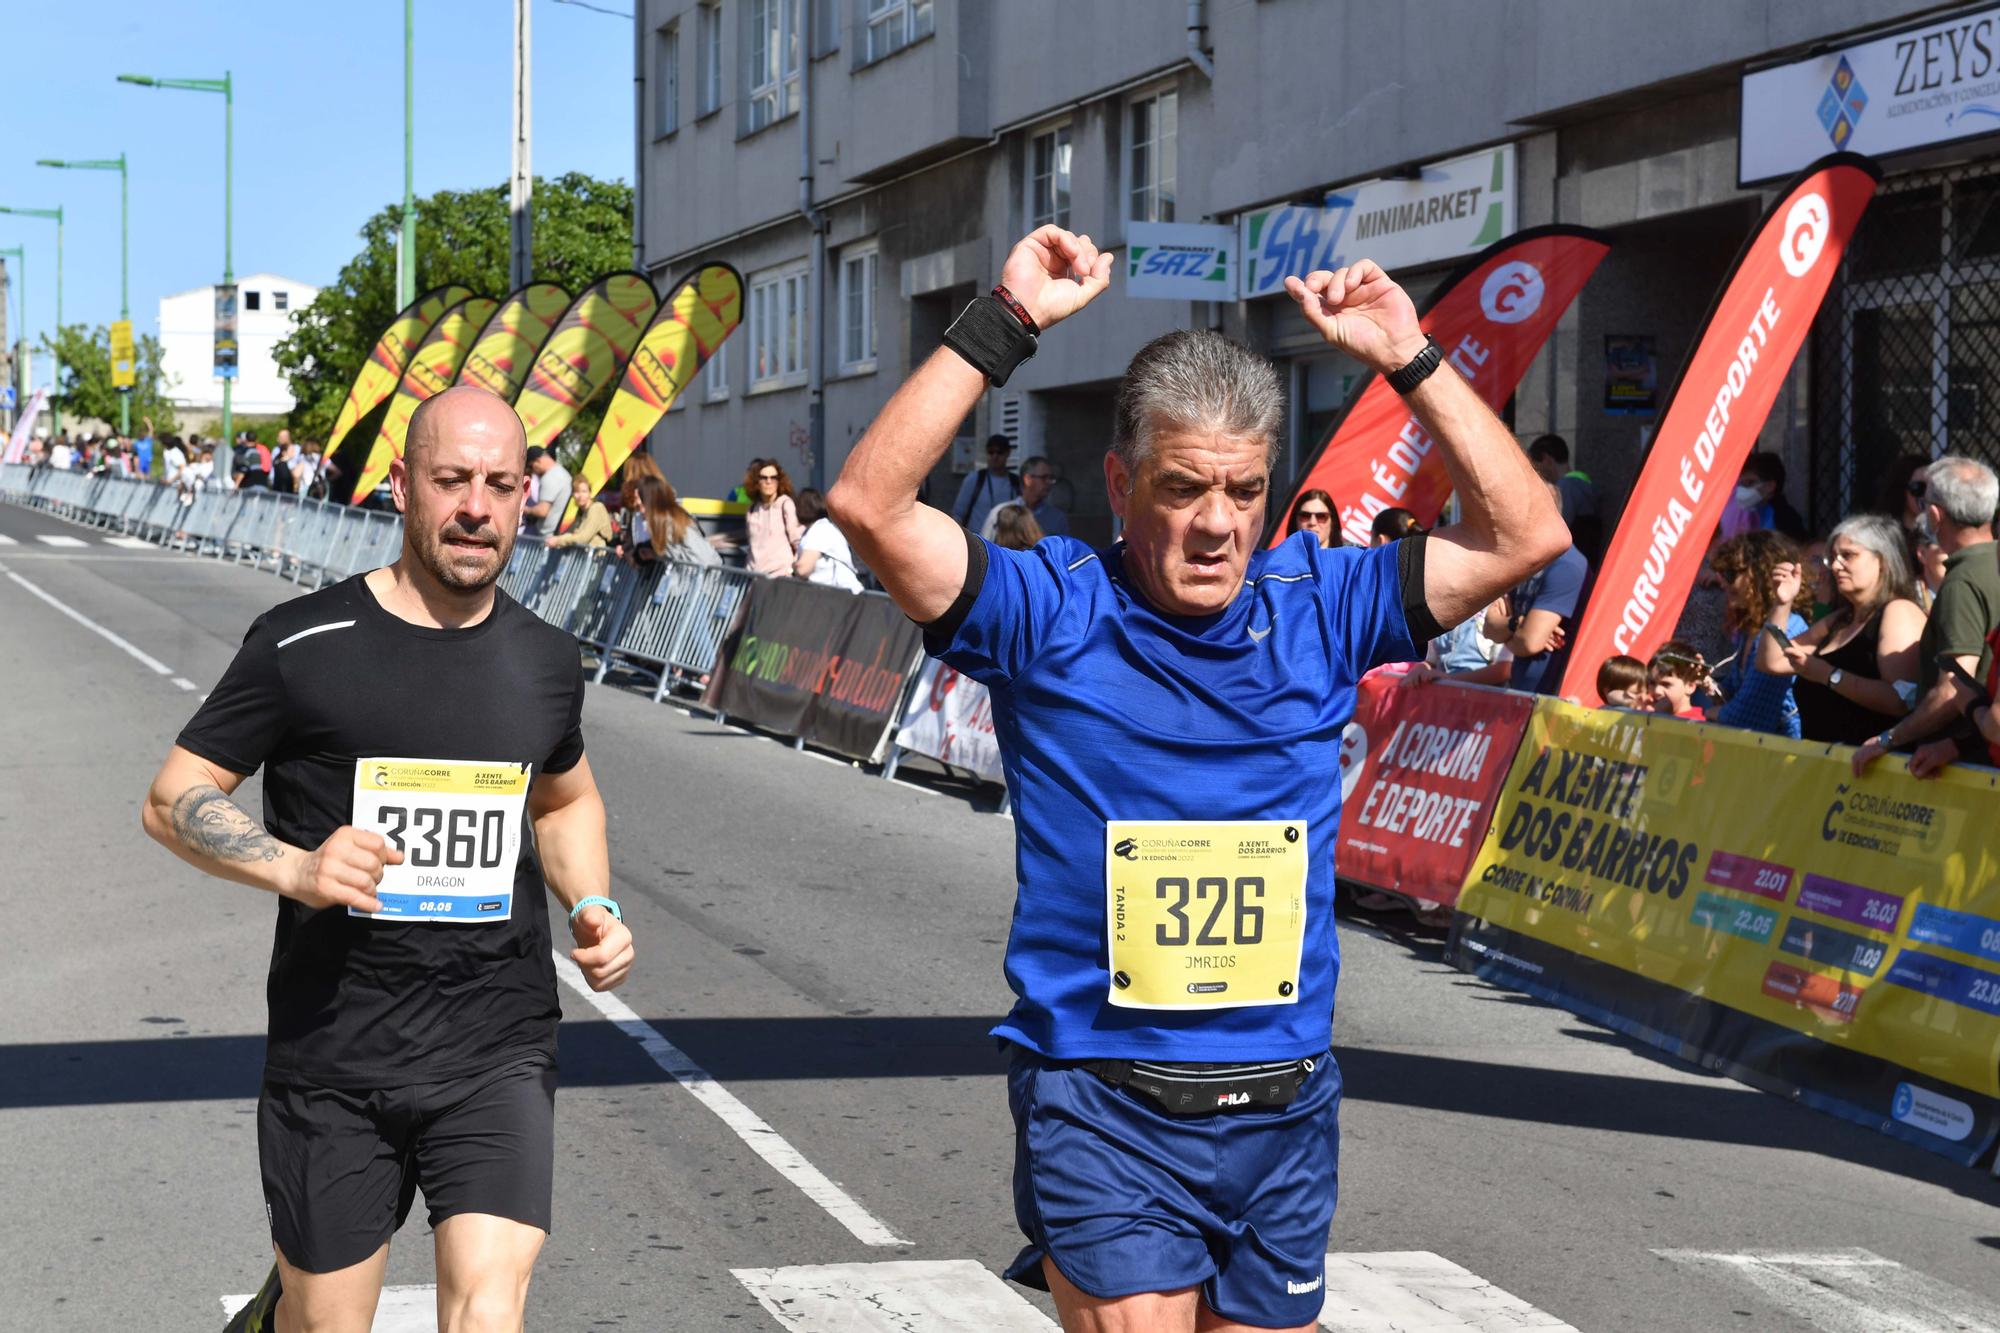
x,y
1884,538
1194,379
1964,488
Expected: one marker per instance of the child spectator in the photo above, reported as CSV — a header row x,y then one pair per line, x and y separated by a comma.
x,y
1675,674
1621,683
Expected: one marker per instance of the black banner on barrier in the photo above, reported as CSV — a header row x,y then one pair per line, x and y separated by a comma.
x,y
816,662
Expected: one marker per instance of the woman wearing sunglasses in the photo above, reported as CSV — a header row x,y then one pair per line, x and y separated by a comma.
x,y
1314,513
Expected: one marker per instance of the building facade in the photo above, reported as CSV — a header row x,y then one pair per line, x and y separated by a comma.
x,y
267,305
929,135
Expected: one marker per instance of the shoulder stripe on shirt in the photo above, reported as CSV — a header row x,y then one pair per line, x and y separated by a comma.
x,y
1280,578
1081,563
316,629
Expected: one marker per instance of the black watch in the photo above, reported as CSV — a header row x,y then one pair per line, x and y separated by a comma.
x,y
1420,367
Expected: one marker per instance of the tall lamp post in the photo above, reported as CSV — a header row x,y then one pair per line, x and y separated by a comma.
x,y
55,345
20,253
226,88
406,271
116,164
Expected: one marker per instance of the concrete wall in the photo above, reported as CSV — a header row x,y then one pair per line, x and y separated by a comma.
x,y
1624,113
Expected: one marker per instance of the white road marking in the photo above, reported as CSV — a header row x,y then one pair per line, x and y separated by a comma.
x,y
5,540
402,1310
902,1297
1415,1291
747,1125
1850,1291
52,539
131,543
151,663
187,684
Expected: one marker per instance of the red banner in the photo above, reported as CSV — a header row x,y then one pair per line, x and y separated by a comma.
x,y
1746,349
1420,771
1491,318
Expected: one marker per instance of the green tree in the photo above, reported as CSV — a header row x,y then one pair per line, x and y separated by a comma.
x,y
583,230
84,389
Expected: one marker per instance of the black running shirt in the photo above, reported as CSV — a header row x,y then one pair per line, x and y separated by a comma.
x,y
332,678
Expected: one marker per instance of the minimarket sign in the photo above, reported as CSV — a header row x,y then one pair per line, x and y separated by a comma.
x,y
1452,208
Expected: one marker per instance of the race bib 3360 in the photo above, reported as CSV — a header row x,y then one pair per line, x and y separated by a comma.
x,y
458,826
1205,914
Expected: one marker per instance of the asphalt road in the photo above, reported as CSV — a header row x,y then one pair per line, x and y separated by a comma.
x,y
826,946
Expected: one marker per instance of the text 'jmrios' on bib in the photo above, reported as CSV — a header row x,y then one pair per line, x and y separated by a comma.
x,y
458,826
1205,914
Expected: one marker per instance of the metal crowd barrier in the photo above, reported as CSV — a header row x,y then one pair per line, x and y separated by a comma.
x,y
664,621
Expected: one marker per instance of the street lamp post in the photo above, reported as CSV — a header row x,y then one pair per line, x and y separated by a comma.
x,y
227,89
55,346
20,253
116,164
406,271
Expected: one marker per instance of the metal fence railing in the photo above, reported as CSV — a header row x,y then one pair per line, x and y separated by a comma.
x,y
664,621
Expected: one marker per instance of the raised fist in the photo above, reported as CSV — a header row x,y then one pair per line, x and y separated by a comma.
x,y
1055,273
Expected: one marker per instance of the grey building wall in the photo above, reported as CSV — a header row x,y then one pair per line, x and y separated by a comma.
x,y
1623,113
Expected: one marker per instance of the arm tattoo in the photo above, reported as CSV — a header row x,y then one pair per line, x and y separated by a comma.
x,y
207,821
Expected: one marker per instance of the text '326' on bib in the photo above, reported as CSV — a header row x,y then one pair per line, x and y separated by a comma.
x,y
458,826
1205,914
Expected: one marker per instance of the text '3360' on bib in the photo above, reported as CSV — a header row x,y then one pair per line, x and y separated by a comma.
x,y
1205,914
458,826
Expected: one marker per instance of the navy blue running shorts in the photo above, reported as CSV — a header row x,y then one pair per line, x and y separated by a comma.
x,y
342,1168
1126,1198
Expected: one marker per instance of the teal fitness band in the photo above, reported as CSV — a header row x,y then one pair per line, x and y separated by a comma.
x,y
596,900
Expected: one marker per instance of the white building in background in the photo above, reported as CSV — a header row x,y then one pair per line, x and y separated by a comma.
x,y
268,304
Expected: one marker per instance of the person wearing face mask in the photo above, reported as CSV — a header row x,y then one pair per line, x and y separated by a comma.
x,y
1170,708
1759,503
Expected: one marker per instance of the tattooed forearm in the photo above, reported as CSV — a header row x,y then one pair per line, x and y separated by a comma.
x,y
208,822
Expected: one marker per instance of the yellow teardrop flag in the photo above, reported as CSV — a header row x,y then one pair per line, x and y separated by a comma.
x,y
585,353
430,372
703,310
391,355
506,347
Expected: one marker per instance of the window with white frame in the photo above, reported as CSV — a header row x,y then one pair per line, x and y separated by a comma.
x,y
778,327
1151,125
707,57
1048,178
857,308
894,24
667,80
715,374
772,69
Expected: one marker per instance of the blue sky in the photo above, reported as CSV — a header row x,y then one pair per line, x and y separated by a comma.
x,y
319,129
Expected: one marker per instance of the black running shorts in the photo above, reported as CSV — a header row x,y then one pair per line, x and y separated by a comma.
x,y
341,1168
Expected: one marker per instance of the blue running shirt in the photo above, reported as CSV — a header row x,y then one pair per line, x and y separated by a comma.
x,y
1107,709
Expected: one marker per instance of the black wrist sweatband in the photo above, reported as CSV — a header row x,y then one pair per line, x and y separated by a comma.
x,y
1419,368
991,339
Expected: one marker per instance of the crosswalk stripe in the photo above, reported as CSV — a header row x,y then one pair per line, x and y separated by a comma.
x,y
1850,1291
904,1296
130,543
402,1309
1415,1291
56,539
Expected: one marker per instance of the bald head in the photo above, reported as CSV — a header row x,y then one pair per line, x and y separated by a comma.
x,y
470,413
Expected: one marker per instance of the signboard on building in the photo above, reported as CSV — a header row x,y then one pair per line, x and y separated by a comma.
x,y
1445,210
1907,89
122,376
1180,261
225,332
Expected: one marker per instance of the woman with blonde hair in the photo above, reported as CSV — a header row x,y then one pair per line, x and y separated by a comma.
x,y
663,530
1857,666
1012,525
773,519
594,525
